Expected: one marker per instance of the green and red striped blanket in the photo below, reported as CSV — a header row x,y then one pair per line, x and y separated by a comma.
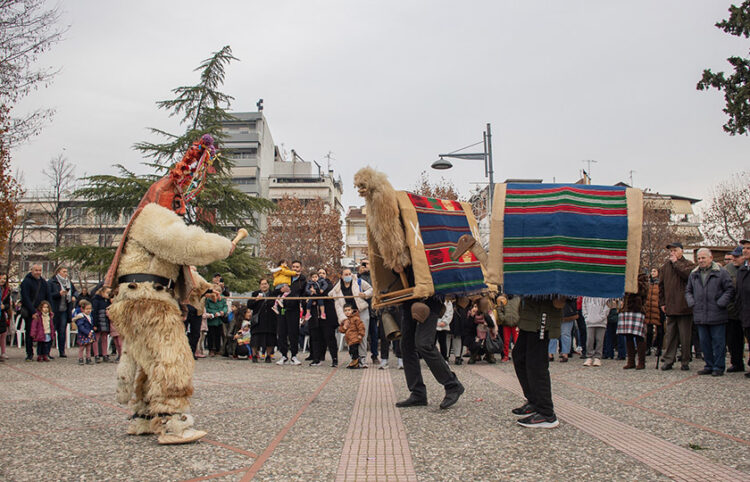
x,y
567,239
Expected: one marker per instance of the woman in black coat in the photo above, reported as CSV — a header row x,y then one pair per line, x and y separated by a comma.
x,y
263,333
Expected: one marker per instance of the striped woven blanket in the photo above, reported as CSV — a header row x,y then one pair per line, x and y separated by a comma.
x,y
568,239
432,228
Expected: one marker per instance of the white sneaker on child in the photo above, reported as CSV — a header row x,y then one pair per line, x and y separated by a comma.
x,y
282,360
295,361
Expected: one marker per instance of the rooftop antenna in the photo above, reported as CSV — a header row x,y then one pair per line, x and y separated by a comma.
x,y
589,162
329,157
631,177
259,104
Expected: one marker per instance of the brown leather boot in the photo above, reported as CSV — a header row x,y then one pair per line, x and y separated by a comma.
x,y
641,347
631,353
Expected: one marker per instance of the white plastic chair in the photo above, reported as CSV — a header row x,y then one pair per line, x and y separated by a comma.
x,y
20,332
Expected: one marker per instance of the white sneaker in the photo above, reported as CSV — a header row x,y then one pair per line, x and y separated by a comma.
x,y
588,362
295,361
400,363
383,364
597,362
282,361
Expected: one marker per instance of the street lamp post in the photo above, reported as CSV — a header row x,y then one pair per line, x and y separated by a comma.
x,y
23,244
489,170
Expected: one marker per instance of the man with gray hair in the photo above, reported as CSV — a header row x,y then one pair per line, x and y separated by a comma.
x,y
708,292
33,291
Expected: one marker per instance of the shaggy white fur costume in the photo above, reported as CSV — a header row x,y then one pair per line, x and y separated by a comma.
x,y
156,367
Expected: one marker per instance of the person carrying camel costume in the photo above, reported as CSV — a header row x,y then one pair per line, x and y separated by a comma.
x,y
151,273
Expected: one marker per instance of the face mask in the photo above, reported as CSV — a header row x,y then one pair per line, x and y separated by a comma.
x,y
347,279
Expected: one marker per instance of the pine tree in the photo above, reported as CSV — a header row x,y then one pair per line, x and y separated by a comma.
x,y
220,208
735,86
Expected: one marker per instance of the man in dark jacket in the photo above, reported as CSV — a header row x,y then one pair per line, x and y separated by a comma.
x,y
679,323
33,291
743,290
288,326
62,295
709,291
735,336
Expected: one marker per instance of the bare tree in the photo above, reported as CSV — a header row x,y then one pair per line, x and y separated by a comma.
x,y
57,204
443,189
28,28
658,231
308,230
726,219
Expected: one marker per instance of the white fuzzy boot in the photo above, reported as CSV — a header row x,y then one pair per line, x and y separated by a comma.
x,y
177,429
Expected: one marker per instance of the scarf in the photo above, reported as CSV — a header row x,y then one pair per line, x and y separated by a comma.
x,y
65,283
46,323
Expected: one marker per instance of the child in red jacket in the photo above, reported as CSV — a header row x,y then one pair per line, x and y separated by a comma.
x,y
42,330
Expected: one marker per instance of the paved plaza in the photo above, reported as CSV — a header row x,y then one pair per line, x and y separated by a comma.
x,y
60,422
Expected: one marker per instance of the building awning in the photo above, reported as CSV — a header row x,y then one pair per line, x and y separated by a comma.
x,y
682,206
244,171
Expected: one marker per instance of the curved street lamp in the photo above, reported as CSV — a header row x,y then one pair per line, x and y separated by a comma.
x,y
442,163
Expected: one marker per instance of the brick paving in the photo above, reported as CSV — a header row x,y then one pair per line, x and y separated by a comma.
x,y
300,423
375,447
669,459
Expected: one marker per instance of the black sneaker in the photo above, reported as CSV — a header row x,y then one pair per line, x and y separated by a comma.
x,y
315,364
705,371
97,359
685,368
80,361
717,373
667,366
50,357
735,369
62,355
524,410
89,362
539,421
334,363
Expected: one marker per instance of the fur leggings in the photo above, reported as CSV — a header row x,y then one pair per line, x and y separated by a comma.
x,y
156,366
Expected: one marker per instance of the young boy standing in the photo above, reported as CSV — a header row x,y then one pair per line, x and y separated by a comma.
x,y
353,330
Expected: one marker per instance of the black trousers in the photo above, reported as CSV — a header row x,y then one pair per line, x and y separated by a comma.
x,y
735,343
354,351
322,336
582,333
532,369
62,318
193,323
287,331
420,337
27,337
384,343
215,335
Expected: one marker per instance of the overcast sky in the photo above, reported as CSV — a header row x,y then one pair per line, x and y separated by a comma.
x,y
394,83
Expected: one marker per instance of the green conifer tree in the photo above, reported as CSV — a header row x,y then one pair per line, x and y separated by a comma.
x,y
202,108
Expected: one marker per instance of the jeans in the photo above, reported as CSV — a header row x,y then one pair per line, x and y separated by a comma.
x,y
713,345
565,339
62,318
611,338
364,315
532,369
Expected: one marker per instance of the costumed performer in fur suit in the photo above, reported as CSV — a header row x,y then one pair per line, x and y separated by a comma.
x,y
419,326
151,274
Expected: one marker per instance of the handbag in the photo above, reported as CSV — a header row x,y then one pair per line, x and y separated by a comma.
x,y
493,345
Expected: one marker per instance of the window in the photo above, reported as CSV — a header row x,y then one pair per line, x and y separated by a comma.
x,y
244,180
